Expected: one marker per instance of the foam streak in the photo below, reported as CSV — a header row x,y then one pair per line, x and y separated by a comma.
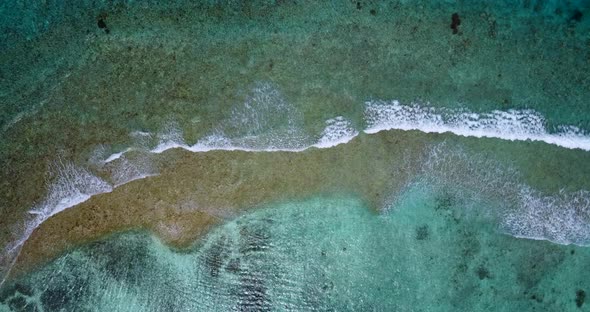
x,y
74,185
512,125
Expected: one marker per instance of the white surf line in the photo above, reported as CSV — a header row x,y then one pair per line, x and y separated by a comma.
x,y
73,186
200,147
338,131
116,156
511,125
73,182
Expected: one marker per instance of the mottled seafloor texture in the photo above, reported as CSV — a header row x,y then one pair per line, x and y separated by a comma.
x,y
294,155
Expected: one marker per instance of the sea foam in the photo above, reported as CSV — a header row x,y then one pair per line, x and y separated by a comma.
x,y
266,122
338,131
73,185
563,218
513,125
491,189
126,170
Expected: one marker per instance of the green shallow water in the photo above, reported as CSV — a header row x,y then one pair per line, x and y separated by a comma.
x,y
279,74
329,253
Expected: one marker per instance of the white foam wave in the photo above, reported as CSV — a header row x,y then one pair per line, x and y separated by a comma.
x,y
140,142
139,134
563,218
266,122
171,137
513,125
492,189
126,170
116,156
72,186
338,131
220,143
264,110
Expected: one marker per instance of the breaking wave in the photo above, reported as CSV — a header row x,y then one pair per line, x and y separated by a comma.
x,y
266,121
512,125
490,189
73,185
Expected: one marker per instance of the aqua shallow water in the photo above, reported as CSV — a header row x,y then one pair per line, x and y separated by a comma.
x,y
492,214
327,253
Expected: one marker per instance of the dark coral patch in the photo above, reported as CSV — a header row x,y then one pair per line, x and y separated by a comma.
x,y
483,273
580,298
455,23
422,232
576,16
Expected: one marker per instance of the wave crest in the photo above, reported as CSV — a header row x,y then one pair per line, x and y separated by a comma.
x,y
512,125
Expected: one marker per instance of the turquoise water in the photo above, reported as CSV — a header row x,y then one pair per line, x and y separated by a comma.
x,y
324,253
477,134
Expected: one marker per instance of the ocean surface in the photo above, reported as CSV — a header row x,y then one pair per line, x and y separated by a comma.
x,y
294,155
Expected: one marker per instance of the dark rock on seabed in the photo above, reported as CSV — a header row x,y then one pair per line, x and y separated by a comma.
x,y
455,23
